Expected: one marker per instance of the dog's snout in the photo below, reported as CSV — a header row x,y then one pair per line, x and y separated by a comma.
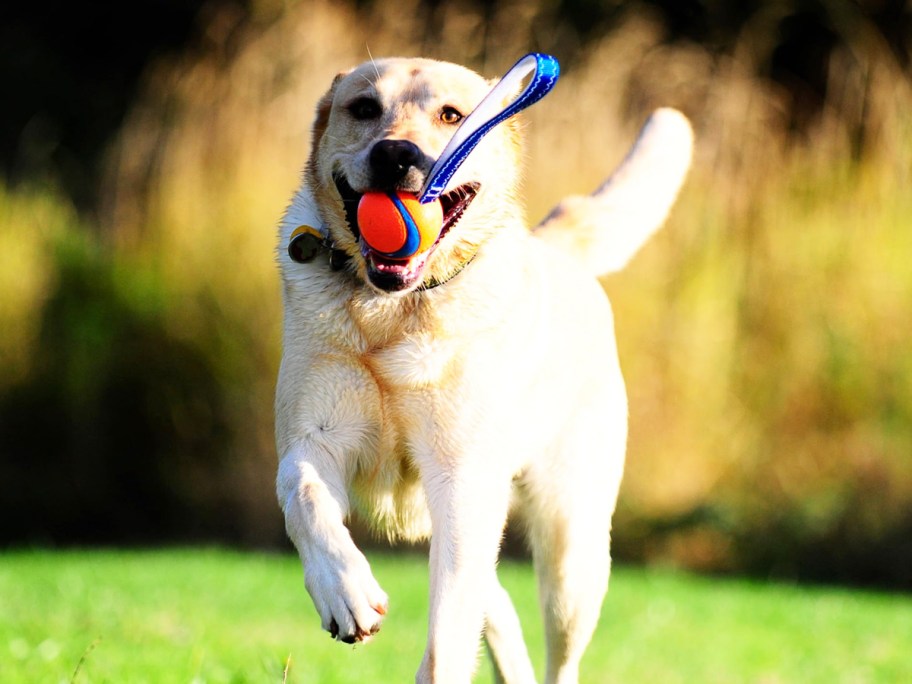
x,y
390,161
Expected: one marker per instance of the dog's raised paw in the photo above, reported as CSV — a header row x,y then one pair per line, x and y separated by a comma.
x,y
349,600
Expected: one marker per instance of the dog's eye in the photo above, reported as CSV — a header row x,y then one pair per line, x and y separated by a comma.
x,y
365,108
450,115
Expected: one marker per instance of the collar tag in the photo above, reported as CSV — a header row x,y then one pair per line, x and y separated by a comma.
x,y
305,243
490,112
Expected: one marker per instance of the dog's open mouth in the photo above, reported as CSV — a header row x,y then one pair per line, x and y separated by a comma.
x,y
395,275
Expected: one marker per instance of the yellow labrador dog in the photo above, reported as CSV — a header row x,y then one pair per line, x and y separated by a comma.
x,y
437,394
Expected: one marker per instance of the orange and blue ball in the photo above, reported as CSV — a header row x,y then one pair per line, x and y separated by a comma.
x,y
397,225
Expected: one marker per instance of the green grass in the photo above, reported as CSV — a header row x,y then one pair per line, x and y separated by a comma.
x,y
217,616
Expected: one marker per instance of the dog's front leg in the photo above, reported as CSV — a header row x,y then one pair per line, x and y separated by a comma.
x,y
324,419
338,578
469,499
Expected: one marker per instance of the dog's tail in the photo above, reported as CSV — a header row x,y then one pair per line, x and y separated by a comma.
x,y
605,229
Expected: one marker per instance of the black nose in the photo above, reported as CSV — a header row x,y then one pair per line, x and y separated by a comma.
x,y
390,161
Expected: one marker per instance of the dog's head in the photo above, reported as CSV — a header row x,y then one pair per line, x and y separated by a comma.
x,y
381,127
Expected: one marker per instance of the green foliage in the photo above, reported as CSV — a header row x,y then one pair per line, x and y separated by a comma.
x,y
779,367
212,616
114,424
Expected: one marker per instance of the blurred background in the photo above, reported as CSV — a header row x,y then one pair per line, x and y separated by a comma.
x,y
148,150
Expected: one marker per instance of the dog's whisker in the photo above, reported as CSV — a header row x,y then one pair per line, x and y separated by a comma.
x,y
367,79
372,61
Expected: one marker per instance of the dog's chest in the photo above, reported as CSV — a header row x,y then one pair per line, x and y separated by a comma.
x,y
386,486
402,343
408,357
419,361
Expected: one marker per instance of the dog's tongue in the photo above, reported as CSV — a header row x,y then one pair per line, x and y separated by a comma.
x,y
400,267
393,274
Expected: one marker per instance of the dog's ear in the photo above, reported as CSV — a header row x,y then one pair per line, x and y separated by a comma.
x,y
321,120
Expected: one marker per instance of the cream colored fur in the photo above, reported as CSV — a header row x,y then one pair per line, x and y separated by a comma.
x,y
437,412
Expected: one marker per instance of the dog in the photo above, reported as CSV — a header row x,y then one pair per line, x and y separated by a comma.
x,y
437,395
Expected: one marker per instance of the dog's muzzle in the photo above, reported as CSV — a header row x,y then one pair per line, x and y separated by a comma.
x,y
393,161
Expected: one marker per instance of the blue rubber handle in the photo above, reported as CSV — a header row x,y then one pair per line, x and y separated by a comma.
x,y
488,114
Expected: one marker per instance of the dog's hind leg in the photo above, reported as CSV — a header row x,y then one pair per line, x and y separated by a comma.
x,y
504,638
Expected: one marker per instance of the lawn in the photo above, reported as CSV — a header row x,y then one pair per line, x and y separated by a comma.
x,y
196,616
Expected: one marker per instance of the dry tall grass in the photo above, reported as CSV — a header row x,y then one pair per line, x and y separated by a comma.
x,y
764,333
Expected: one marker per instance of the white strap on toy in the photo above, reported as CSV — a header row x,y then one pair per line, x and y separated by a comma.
x,y
488,114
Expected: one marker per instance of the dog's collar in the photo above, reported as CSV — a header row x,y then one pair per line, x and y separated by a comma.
x,y
307,243
434,282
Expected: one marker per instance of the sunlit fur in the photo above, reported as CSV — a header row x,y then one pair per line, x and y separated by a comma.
x,y
443,410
